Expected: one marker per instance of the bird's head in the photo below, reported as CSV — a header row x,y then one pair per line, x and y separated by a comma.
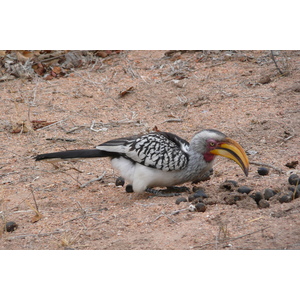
x,y
214,143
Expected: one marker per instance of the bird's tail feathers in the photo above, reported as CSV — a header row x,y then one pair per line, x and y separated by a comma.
x,y
73,154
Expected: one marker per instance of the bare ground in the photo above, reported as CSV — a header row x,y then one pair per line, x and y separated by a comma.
x,y
240,93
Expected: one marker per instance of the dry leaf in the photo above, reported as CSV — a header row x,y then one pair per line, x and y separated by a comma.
x,y
36,217
19,127
36,124
21,57
39,69
292,164
56,70
129,90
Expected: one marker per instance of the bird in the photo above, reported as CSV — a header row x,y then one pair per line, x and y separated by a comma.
x,y
160,159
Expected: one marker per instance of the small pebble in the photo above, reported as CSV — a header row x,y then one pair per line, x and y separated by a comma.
x,y
263,171
200,207
269,193
180,199
120,181
264,79
257,196
244,190
129,188
294,179
263,203
192,207
10,226
286,198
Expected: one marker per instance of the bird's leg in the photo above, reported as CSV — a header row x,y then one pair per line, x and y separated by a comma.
x,y
168,192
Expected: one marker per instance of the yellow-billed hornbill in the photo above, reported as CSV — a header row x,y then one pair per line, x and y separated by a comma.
x,y
161,159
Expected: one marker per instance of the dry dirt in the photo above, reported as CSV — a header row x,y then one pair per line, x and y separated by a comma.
x,y
240,93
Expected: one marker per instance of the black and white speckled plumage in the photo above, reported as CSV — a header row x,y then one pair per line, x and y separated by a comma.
x,y
157,159
160,150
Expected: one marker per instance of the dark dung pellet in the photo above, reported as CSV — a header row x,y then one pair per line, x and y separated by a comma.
x,y
295,191
257,196
269,193
11,226
180,199
200,207
129,188
286,198
244,190
228,185
120,181
200,193
263,203
263,171
294,179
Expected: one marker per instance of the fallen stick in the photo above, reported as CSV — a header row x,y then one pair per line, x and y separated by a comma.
x,y
163,215
266,165
35,235
92,180
232,239
53,124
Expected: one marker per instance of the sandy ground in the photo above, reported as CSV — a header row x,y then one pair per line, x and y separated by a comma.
x,y
240,93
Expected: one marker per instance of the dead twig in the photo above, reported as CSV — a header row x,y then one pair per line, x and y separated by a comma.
x,y
266,165
231,239
93,180
172,120
55,123
273,58
61,139
35,235
83,216
163,215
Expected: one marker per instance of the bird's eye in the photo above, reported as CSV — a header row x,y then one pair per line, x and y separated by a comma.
x,y
212,144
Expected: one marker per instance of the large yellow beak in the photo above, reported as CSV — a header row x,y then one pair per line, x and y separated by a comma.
x,y
232,150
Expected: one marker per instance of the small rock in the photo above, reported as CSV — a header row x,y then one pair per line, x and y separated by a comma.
x,y
10,226
263,171
120,181
264,79
180,199
296,88
200,207
269,193
257,196
129,188
244,190
294,179
263,204
286,198
192,207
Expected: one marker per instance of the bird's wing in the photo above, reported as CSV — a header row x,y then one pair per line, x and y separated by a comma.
x,y
161,150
